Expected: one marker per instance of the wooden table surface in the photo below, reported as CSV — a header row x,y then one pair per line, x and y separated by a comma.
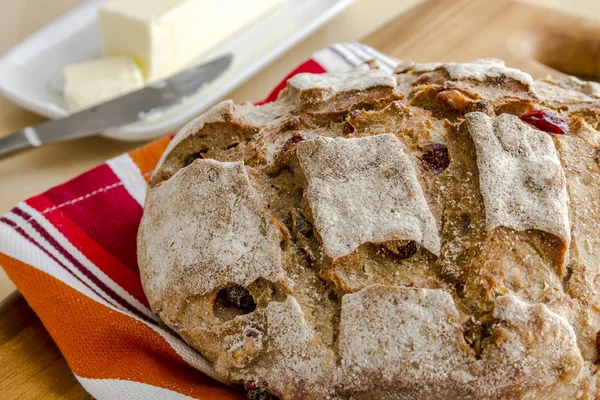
x,y
30,364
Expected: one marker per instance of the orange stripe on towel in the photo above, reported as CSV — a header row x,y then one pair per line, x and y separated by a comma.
x,y
100,343
148,156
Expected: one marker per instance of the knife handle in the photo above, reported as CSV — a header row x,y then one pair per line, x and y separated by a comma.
x,y
19,140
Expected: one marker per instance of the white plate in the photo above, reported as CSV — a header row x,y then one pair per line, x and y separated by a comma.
x,y
30,73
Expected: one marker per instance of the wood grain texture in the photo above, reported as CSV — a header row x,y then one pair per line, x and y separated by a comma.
x,y
438,30
527,37
31,366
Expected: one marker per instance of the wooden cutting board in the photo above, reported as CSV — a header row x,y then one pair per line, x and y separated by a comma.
x,y
536,40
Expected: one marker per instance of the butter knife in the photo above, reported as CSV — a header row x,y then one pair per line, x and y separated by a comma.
x,y
120,111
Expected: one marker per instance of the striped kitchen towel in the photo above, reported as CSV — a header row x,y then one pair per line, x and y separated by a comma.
x,y
71,251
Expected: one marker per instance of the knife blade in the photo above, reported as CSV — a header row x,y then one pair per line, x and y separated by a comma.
x,y
120,111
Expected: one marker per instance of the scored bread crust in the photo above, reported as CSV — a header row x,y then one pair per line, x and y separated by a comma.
x,y
386,236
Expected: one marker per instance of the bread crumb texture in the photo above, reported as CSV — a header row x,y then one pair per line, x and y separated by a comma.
x,y
386,236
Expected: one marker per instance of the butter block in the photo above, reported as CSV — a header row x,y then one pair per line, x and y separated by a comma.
x,y
164,36
94,82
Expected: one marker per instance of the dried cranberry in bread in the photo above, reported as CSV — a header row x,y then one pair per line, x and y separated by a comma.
x,y
376,236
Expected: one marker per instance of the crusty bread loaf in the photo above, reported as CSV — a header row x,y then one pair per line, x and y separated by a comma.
x,y
430,234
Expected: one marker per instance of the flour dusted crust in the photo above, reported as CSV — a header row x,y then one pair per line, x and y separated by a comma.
x,y
395,339
376,236
481,70
236,240
364,190
522,182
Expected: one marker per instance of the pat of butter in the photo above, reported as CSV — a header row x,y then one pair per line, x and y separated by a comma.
x,y
94,82
164,36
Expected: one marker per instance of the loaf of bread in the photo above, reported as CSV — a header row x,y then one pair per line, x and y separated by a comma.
x,y
430,234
